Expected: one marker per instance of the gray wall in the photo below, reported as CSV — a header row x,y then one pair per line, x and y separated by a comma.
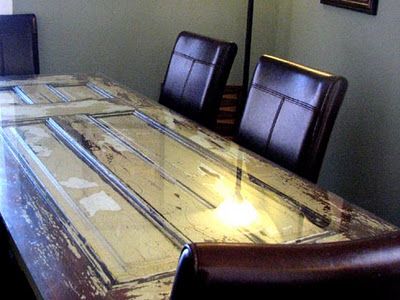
x,y
363,158
131,40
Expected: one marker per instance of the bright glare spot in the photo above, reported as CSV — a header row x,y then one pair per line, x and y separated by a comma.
x,y
236,213
224,188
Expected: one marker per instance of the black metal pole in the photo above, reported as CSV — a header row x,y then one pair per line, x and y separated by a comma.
x,y
247,51
246,64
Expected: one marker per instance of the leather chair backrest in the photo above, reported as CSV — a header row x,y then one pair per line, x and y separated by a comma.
x,y
18,45
196,76
289,114
334,270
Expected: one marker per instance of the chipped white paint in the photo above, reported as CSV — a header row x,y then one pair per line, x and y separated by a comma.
x,y
128,254
71,247
11,115
26,218
206,170
125,241
36,136
156,289
41,151
36,133
183,210
119,91
46,79
99,202
8,97
78,183
73,93
113,143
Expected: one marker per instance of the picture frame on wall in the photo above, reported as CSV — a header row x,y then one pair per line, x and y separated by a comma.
x,y
365,6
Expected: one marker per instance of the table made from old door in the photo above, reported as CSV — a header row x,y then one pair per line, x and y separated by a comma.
x,y
100,188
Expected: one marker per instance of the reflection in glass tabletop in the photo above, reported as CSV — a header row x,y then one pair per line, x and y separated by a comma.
x,y
101,187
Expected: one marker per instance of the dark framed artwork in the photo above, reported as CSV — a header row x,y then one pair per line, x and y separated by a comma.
x,y
366,6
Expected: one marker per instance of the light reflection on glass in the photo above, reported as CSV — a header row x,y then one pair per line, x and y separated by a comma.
x,y
236,212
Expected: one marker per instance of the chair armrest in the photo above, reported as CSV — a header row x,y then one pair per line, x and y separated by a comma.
x,y
243,271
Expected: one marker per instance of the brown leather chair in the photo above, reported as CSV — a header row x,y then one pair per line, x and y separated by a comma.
x,y
19,53
289,114
259,271
196,76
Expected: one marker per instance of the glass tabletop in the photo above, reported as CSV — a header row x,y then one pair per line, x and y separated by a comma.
x,y
132,181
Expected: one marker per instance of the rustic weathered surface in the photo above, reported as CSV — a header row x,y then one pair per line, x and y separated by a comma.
x,y
100,188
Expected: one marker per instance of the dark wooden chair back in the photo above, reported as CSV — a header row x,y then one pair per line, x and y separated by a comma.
x,y
289,114
19,53
196,76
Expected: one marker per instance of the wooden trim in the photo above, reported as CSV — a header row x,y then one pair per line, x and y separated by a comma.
x,y
365,6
